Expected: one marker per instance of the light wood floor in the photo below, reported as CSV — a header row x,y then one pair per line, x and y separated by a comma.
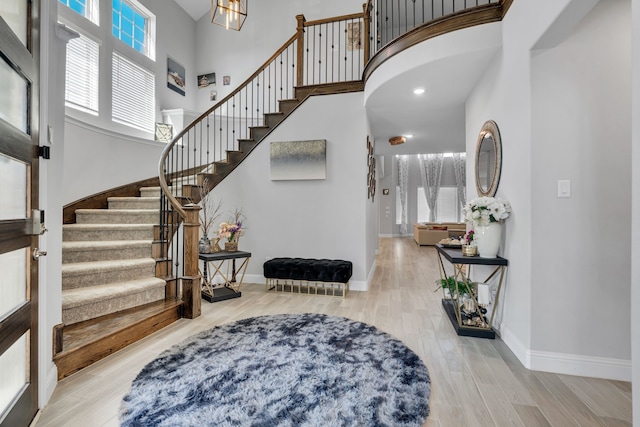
x,y
474,382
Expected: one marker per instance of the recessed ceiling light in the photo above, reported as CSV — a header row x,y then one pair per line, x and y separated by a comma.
x,y
418,91
408,135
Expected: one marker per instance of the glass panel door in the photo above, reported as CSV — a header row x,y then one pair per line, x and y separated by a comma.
x,y
19,170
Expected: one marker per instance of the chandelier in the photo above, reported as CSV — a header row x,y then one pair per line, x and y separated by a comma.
x,y
229,13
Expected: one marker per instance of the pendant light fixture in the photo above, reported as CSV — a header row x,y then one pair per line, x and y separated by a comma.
x,y
397,140
229,13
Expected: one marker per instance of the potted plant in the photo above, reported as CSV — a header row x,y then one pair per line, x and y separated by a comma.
x,y
450,286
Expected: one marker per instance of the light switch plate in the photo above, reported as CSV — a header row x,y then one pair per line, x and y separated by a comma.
x,y
564,188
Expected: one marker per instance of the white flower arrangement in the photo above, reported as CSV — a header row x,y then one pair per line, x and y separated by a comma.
x,y
484,210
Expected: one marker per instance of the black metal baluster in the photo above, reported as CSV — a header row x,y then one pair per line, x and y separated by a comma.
x,y
208,143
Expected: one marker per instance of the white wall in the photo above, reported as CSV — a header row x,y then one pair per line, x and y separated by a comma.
x,y
581,116
267,27
117,154
544,299
50,266
635,196
328,218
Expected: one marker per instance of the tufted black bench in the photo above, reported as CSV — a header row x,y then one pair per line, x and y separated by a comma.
x,y
305,275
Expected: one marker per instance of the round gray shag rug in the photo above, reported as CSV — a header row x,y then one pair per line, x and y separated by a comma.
x,y
282,370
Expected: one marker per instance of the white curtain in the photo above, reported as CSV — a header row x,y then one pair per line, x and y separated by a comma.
x,y
403,183
460,170
430,174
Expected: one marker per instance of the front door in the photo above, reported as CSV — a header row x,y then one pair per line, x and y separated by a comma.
x,y
19,32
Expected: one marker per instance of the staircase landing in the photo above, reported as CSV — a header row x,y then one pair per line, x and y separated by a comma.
x,y
81,344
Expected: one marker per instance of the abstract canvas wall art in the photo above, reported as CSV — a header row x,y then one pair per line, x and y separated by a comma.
x,y
299,160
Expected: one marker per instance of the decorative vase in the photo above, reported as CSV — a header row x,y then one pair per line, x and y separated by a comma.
x,y
488,237
204,245
230,246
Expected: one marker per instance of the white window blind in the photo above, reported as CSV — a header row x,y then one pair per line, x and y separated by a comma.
x,y
83,63
133,94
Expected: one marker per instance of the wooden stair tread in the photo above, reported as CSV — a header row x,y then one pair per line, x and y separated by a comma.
x,y
87,342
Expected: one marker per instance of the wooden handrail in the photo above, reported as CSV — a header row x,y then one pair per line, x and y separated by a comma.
x,y
336,19
165,153
484,14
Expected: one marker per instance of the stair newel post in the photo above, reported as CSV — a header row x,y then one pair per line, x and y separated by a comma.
x,y
300,50
191,281
366,17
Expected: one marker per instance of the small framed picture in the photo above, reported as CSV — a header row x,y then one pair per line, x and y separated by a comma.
x,y
213,95
205,80
175,76
164,132
385,191
226,80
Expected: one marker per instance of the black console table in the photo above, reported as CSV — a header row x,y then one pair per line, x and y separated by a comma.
x,y
461,317
213,292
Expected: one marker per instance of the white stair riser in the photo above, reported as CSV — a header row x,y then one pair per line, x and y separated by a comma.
x,y
107,306
101,276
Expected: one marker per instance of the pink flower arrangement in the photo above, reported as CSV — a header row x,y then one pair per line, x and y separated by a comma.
x,y
468,238
232,229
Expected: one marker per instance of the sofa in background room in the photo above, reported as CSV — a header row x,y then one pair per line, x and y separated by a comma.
x,y
430,233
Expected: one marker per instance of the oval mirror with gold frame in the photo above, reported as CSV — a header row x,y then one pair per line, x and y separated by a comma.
x,y
488,159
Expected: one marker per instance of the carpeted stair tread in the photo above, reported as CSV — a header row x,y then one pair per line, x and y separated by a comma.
x,y
101,232
117,216
86,303
134,202
88,251
88,274
76,297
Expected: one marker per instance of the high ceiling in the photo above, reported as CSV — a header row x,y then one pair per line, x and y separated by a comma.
x,y
195,8
436,118
447,67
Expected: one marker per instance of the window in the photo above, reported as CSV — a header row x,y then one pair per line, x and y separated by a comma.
x,y
131,90
132,24
86,8
82,75
449,209
133,94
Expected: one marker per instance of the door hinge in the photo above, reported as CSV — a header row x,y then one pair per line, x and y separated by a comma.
x,y
44,152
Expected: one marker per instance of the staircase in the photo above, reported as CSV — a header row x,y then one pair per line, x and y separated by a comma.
x,y
118,281
109,273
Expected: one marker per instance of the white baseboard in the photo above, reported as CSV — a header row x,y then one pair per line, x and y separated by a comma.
x,y
516,346
50,383
584,366
568,364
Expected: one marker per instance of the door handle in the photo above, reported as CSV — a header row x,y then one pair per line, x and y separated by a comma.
x,y
37,254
